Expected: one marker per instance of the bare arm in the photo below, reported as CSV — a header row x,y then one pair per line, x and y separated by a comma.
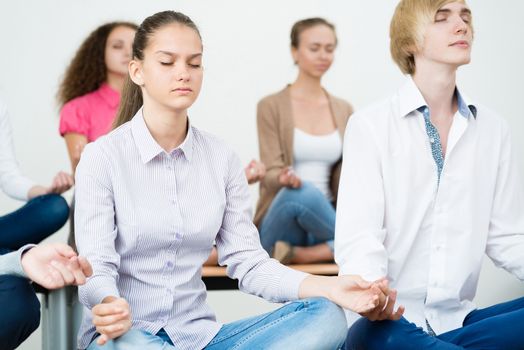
x,y
75,145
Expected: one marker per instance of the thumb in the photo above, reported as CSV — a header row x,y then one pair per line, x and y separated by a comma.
x,y
64,250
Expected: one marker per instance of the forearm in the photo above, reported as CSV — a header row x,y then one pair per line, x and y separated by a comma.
x,y
35,191
316,286
11,263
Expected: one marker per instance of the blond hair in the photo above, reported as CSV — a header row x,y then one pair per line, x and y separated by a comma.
x,y
406,31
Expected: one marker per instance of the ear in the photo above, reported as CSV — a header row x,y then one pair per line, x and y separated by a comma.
x,y
135,72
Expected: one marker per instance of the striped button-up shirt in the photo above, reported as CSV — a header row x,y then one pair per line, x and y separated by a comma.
x,y
146,219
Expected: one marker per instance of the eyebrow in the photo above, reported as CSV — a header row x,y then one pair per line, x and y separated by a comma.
x,y
174,54
462,11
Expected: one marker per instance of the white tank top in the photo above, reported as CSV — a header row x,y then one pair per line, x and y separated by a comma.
x,y
314,156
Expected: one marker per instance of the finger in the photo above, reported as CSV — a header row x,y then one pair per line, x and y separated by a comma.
x,y
64,250
85,266
64,271
111,331
102,339
398,314
390,304
103,321
76,270
107,309
53,279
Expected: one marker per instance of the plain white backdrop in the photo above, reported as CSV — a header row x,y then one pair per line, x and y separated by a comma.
x,y
246,56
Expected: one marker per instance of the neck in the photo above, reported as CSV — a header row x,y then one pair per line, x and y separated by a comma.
x,y
168,127
437,86
307,87
116,81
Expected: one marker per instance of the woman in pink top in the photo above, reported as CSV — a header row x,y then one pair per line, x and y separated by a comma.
x,y
90,91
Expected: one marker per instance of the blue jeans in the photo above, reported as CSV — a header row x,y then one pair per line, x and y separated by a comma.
x,y
301,217
315,324
20,311
499,327
35,221
19,306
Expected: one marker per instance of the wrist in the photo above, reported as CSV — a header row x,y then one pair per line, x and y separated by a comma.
x,y
36,191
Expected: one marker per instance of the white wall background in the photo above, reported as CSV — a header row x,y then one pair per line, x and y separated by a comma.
x,y
246,57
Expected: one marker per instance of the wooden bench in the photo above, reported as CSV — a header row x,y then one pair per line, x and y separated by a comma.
x,y
215,277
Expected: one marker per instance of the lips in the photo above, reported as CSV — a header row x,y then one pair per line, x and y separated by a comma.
x,y
460,43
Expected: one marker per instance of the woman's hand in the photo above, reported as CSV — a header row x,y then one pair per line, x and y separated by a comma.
x,y
112,318
370,299
61,183
349,292
287,178
255,171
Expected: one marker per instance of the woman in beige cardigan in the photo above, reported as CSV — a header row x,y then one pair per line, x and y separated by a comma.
x,y
300,132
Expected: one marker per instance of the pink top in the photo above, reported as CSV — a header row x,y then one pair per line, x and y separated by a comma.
x,y
91,114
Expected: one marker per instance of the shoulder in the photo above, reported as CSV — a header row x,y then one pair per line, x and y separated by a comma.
x,y
210,143
341,105
113,142
375,113
272,100
80,103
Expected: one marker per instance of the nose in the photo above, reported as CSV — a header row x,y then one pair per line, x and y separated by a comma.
x,y
182,73
324,55
461,27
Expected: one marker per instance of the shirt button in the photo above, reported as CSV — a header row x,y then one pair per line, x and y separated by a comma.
x,y
178,235
169,264
432,140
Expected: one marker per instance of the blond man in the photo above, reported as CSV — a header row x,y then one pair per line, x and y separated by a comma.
x,y
429,184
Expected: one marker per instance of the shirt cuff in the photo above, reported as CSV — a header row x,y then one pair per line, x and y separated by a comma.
x,y
290,282
18,269
96,289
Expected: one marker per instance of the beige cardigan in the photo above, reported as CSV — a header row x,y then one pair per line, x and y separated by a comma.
x,y
275,138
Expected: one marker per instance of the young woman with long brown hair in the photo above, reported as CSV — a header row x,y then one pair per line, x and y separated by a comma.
x,y
300,132
154,194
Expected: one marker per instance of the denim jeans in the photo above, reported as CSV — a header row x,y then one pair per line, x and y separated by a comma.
x,y
314,323
35,221
499,327
19,306
301,217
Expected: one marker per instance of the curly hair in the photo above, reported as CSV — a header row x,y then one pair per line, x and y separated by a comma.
x,y
87,71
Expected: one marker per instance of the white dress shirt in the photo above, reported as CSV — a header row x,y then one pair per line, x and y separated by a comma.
x,y
146,220
12,182
394,219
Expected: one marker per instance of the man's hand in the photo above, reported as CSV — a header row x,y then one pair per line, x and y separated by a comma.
x,y
112,318
384,310
55,265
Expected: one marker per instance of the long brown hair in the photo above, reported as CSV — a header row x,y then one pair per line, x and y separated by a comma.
x,y
132,100
87,71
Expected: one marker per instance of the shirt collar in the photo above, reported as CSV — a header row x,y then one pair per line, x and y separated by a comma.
x,y
111,96
410,99
149,148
